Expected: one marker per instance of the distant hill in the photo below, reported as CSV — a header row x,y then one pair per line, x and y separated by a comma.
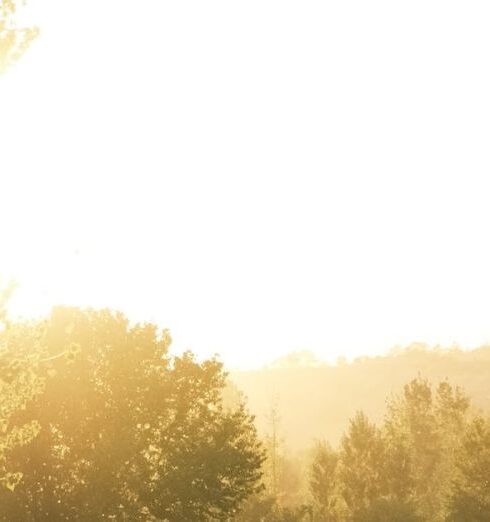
x,y
316,401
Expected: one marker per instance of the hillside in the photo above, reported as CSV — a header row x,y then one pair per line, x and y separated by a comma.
x,y
316,402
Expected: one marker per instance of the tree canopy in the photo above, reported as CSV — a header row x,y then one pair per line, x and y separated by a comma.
x,y
124,429
406,469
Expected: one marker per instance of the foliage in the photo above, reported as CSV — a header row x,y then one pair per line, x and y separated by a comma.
x,y
19,385
423,431
323,481
14,40
471,496
257,508
99,422
265,508
385,509
128,431
361,457
291,514
404,471
283,498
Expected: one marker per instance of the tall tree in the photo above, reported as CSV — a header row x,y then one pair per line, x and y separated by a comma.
x,y
361,459
423,429
273,445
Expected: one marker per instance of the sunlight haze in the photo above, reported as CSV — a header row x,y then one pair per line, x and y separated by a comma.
x,y
259,177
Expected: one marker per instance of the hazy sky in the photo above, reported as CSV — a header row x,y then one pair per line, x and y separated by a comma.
x,y
258,176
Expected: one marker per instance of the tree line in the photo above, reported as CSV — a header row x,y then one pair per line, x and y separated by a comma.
x,y
98,421
321,397
428,461
422,464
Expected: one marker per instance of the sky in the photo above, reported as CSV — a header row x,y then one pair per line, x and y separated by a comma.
x,y
260,177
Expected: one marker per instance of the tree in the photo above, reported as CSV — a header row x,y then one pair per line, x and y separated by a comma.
x,y
257,508
324,482
282,470
388,509
361,460
14,40
19,385
281,499
470,500
423,430
273,445
205,461
129,432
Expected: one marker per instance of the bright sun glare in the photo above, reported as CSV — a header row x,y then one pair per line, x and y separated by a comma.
x,y
310,178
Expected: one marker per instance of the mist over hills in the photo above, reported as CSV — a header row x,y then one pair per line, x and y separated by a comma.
x,y
315,400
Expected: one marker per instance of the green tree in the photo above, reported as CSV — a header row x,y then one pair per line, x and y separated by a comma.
x,y
388,509
423,430
470,500
324,482
129,432
360,467
14,40
257,508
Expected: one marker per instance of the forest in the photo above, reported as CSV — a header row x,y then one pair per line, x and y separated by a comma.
x,y
99,421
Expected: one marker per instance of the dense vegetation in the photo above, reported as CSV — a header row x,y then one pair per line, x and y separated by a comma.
x,y
429,460
99,421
